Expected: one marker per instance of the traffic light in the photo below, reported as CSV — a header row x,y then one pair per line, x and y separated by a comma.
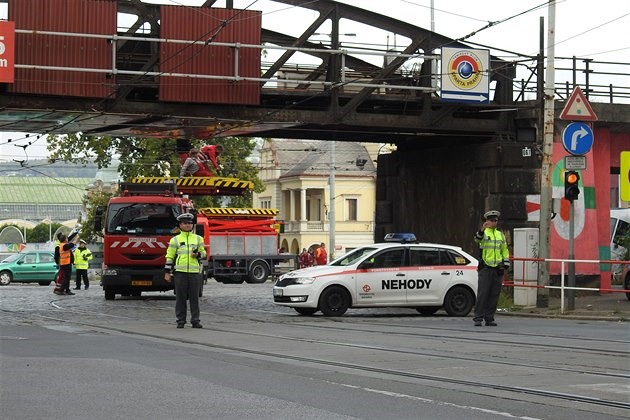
x,y
571,188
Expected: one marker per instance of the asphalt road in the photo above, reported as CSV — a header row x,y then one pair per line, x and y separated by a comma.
x,y
78,357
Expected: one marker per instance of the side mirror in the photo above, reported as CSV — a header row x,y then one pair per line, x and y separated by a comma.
x,y
98,218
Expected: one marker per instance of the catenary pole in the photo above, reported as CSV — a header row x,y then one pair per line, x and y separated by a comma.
x,y
331,210
542,300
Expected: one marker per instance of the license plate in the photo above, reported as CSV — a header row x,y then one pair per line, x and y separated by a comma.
x,y
277,292
142,283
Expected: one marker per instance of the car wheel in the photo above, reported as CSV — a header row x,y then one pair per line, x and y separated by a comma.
x,y
44,283
110,294
258,272
428,310
626,285
334,301
5,278
305,311
459,301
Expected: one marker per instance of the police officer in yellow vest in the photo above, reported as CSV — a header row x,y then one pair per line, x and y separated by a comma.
x,y
183,265
82,257
495,259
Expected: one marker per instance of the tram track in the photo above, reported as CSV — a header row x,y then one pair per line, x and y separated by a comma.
x,y
441,333
393,373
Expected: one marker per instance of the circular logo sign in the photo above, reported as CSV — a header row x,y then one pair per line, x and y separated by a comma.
x,y
465,70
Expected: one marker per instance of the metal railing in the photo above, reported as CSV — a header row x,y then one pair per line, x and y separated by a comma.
x,y
534,284
605,80
601,81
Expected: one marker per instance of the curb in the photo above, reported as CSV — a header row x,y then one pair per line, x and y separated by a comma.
x,y
585,317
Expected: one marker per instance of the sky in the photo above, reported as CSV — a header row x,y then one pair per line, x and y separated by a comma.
x,y
583,28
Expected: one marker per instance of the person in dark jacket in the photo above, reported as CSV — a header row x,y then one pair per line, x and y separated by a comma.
x,y
64,259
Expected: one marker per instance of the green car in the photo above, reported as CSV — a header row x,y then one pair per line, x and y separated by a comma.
x,y
30,266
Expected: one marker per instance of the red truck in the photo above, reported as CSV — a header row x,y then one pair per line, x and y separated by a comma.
x,y
243,244
138,224
137,227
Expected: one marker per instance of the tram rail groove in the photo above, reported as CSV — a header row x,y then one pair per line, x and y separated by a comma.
x,y
595,401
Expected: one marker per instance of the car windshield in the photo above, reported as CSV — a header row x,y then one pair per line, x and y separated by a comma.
x,y
352,257
12,258
142,218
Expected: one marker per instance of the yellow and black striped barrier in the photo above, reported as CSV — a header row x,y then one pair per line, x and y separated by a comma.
x,y
230,211
200,185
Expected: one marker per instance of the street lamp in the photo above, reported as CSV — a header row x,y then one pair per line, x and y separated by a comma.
x,y
49,223
331,212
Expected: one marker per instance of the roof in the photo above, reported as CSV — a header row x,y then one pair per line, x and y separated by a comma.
x,y
42,190
312,157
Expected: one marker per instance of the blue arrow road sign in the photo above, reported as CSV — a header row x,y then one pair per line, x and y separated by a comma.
x,y
577,138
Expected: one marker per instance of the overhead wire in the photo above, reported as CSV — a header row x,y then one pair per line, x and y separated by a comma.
x,y
221,26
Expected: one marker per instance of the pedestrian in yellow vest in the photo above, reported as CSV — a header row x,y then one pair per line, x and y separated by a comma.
x,y
82,256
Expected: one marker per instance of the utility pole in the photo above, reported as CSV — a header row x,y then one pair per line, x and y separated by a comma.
x,y
542,300
331,210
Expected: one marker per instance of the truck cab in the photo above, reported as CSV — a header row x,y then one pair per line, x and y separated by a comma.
x,y
137,227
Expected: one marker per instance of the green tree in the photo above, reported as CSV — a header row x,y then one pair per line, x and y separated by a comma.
x,y
153,157
91,201
42,232
137,156
38,234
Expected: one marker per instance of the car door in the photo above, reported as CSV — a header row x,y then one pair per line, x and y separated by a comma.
x,y
429,274
46,266
26,267
380,282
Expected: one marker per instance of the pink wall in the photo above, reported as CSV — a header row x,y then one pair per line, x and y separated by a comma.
x,y
592,224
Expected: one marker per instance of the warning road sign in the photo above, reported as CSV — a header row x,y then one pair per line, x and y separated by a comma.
x,y
577,108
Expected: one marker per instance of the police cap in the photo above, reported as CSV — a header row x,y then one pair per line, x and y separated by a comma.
x,y
185,217
492,214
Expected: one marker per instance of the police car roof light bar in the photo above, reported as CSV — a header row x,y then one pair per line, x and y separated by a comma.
x,y
400,237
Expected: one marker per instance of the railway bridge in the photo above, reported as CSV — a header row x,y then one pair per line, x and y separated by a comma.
x,y
129,68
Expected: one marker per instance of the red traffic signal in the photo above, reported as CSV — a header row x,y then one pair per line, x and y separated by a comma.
x,y
571,188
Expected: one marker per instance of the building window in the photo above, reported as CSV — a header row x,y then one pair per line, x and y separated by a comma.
x,y
265,203
351,209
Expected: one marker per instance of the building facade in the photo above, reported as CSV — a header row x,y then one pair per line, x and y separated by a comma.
x,y
298,175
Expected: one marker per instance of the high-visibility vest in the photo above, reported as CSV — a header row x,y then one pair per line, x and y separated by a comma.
x,y
65,255
82,256
179,253
494,250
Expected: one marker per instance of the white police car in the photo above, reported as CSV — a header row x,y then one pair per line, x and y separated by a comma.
x,y
423,276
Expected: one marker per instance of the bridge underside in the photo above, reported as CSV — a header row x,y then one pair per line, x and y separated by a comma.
x,y
281,115
335,95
